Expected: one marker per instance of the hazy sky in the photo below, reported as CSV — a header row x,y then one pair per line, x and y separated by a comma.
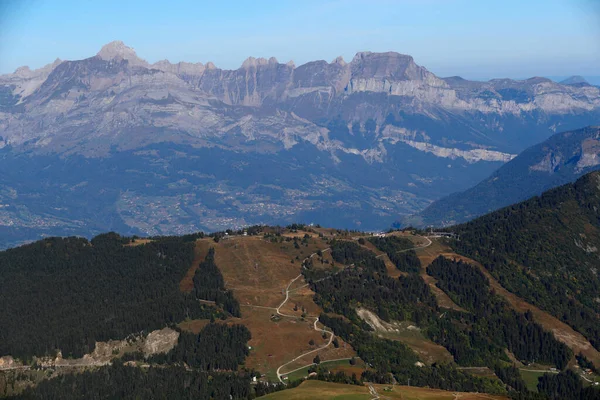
x,y
473,38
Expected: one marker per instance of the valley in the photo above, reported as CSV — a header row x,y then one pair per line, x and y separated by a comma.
x,y
120,144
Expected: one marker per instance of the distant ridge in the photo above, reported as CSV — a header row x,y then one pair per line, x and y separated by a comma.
x,y
559,160
575,80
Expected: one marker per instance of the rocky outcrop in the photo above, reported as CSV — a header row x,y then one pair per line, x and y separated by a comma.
x,y
549,163
156,342
590,154
471,156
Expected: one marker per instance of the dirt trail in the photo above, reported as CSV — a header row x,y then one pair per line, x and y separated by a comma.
x,y
331,335
287,292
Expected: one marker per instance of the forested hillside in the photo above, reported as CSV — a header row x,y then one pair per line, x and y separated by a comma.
x,y
123,382
399,250
494,322
546,251
479,336
67,293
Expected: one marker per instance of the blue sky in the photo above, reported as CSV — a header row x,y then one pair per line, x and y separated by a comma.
x,y
477,39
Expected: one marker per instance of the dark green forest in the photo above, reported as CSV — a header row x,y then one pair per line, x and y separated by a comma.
x,y
202,366
545,250
392,358
406,298
477,337
209,285
123,382
349,253
493,318
68,293
399,251
566,386
217,347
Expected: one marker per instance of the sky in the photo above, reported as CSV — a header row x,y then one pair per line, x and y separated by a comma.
x,y
476,39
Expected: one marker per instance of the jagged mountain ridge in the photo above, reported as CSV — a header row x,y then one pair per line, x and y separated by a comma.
x,y
113,142
561,159
57,103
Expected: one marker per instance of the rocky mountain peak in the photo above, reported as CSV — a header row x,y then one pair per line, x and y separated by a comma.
x,y
26,72
340,61
574,80
181,67
538,79
255,62
118,50
23,70
386,65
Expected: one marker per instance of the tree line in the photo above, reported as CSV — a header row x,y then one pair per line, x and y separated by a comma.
x,y
209,285
125,382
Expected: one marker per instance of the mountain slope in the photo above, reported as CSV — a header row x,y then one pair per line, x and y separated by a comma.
x,y
67,294
546,251
559,160
334,297
172,148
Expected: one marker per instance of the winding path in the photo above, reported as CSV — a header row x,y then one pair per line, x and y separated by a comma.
x,y
331,334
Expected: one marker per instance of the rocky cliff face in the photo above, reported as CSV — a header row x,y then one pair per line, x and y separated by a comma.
x,y
380,134
105,96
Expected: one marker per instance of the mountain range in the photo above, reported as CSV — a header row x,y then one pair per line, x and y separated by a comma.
x,y
112,142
